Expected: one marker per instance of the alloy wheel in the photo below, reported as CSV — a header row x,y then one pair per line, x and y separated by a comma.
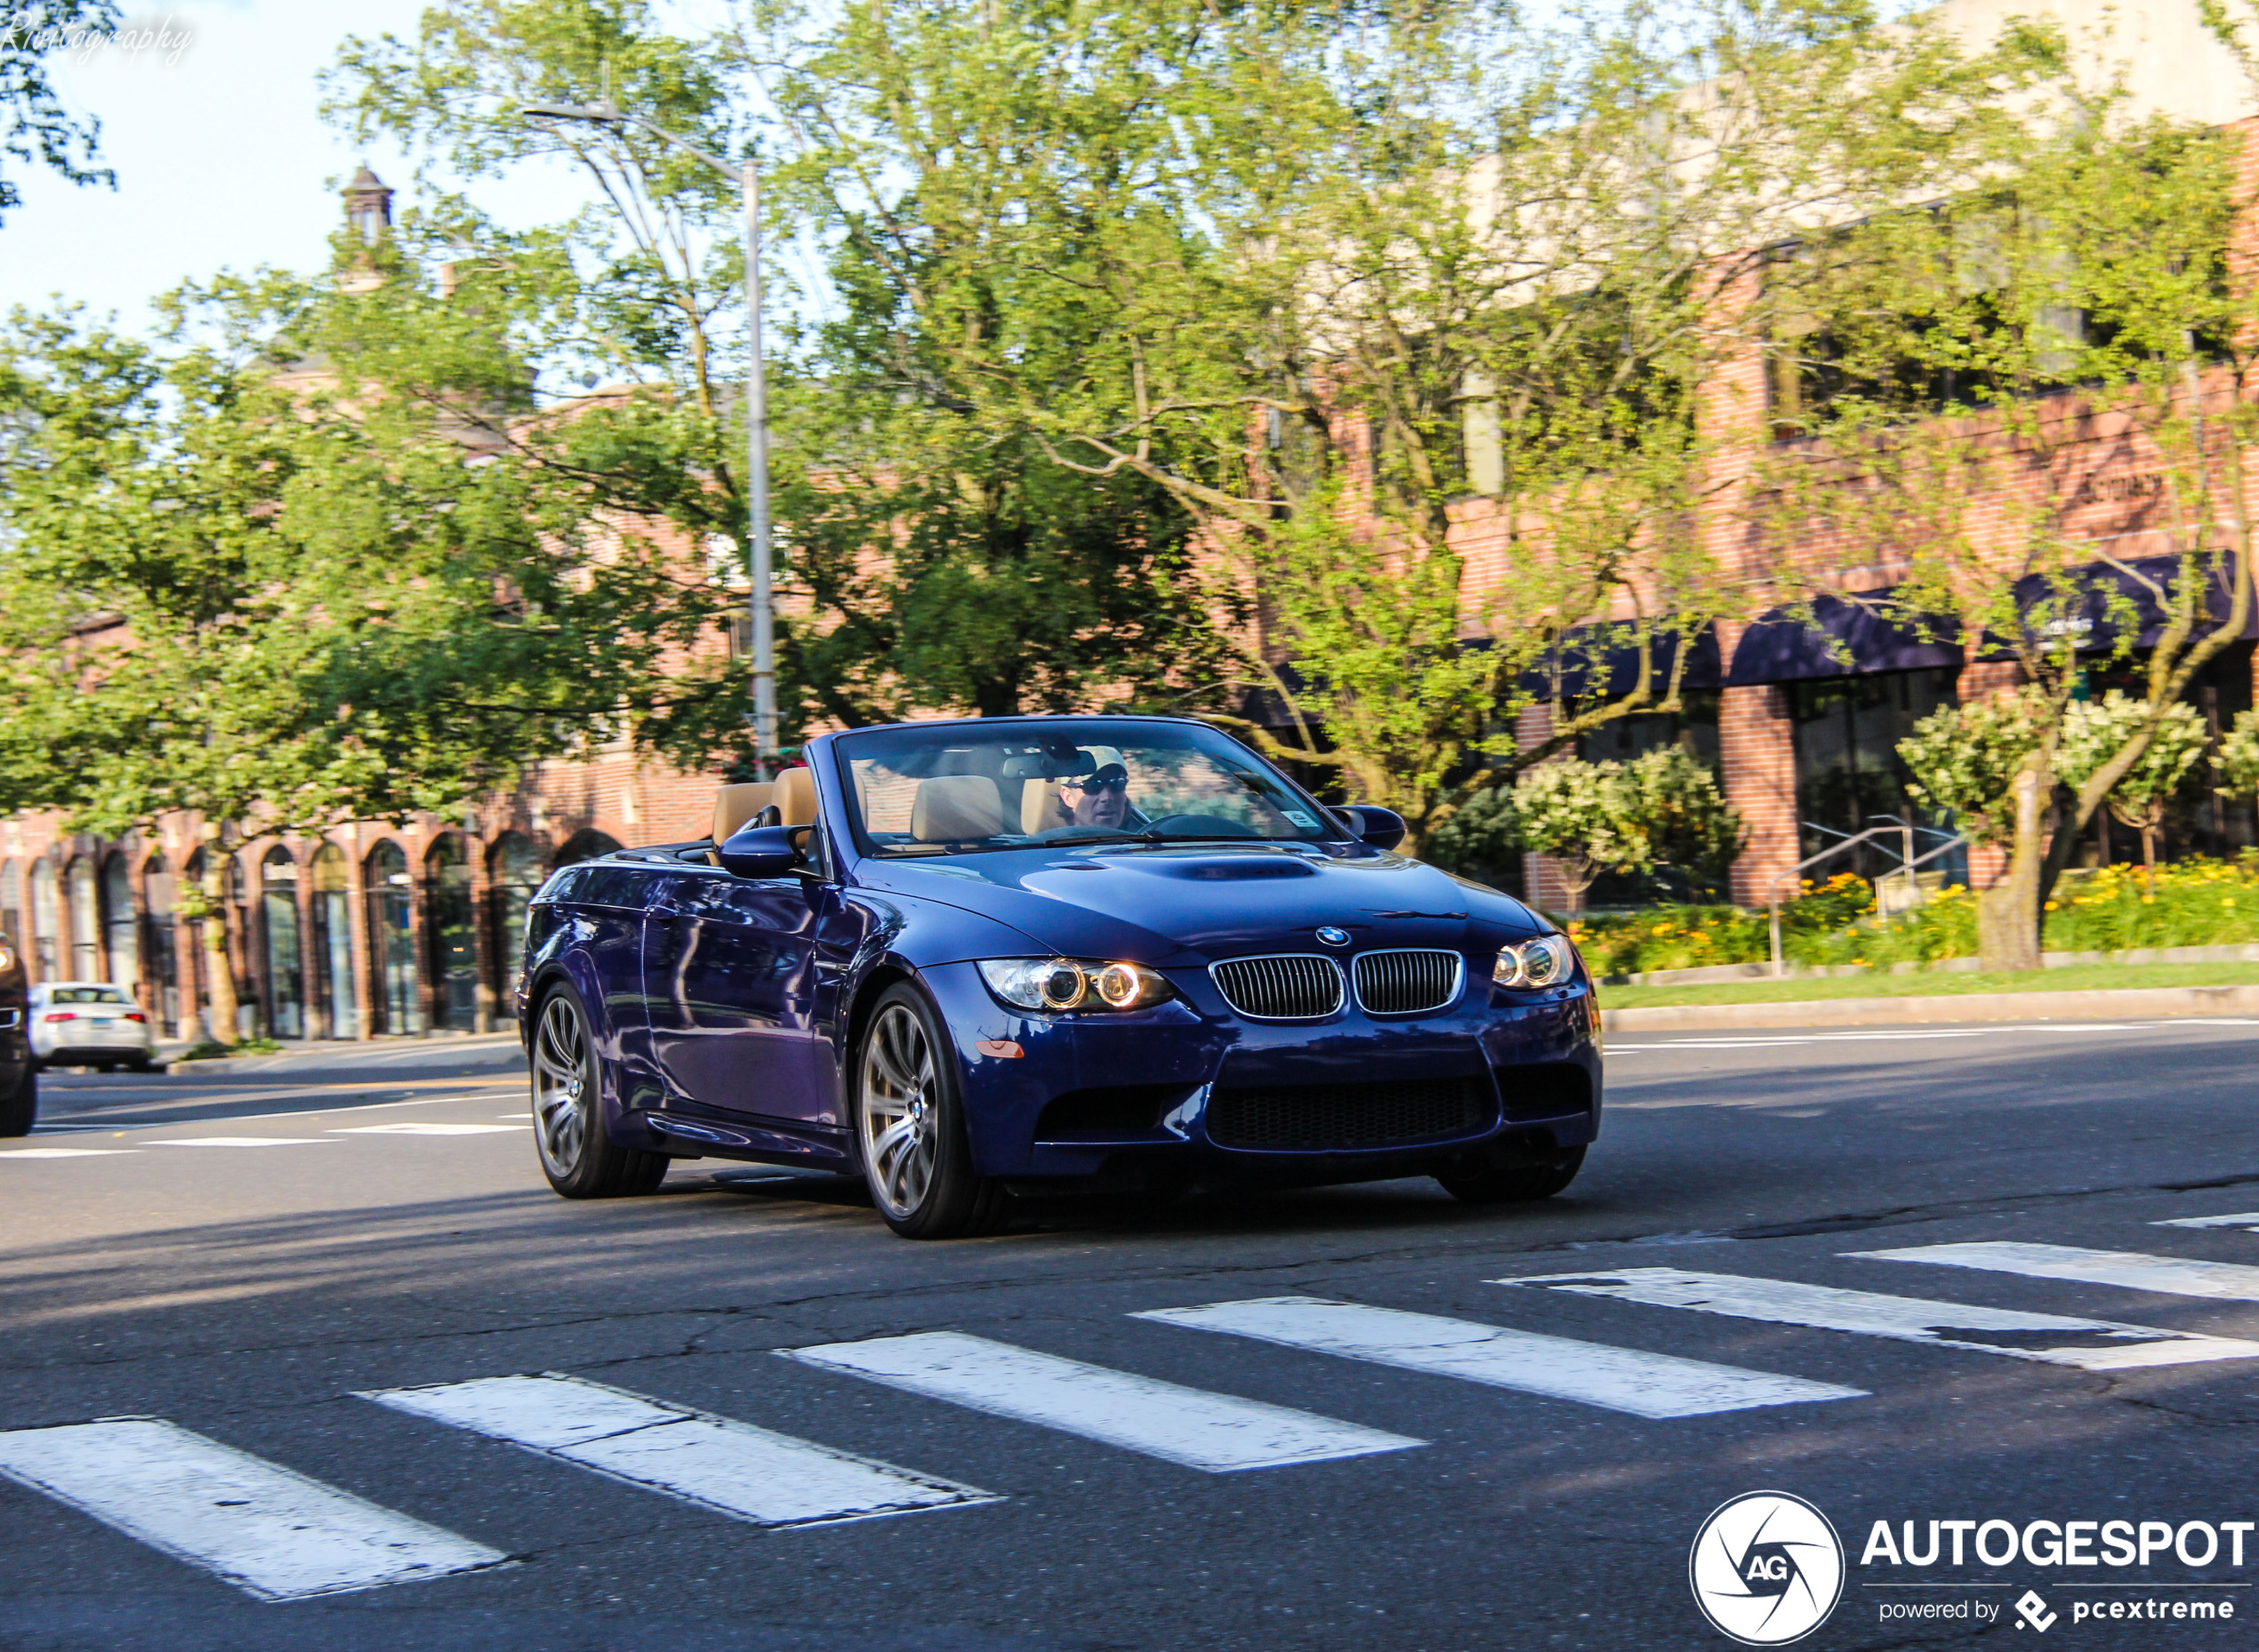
x,y
562,1090
900,1115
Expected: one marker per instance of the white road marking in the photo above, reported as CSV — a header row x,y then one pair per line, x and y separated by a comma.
x,y
426,1129
2248,1219
1902,1319
716,1461
2171,1276
263,1527
1767,1043
64,1152
1218,1432
1618,1379
242,1141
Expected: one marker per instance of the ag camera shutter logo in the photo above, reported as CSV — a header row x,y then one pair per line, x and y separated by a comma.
x,y
1766,1569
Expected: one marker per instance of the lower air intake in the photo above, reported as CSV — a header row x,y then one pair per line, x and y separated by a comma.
x,y
1394,1112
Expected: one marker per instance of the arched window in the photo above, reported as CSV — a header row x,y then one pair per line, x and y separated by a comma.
x,y
332,952
46,919
391,903
160,959
199,987
121,929
514,868
278,924
85,922
11,903
586,845
454,946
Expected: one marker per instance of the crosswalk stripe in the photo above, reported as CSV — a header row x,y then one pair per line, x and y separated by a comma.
x,y
265,1529
241,1140
427,1129
2136,1270
1217,1433
64,1152
1618,1379
2246,1219
716,1461
1903,1318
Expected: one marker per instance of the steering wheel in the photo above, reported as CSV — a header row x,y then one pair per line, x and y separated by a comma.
x,y
1201,826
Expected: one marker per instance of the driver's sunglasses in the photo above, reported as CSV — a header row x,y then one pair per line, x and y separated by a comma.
x,y
1117,784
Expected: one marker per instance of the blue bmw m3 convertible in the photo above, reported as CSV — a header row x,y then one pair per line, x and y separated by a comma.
x,y
1023,955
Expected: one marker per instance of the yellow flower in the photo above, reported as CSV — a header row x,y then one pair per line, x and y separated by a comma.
x,y
2051,906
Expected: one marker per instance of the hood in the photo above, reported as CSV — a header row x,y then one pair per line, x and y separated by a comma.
x,y
1192,905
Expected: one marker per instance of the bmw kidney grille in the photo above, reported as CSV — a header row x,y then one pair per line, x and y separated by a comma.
x,y
1289,986
1407,982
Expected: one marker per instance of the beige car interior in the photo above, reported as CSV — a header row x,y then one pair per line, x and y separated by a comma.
x,y
792,795
955,808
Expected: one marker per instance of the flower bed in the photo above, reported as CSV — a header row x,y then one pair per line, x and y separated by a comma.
x,y
2197,903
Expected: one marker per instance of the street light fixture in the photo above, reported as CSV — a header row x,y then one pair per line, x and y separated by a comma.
x,y
607,112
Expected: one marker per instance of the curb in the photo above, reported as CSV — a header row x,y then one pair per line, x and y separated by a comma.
x,y
327,1052
2107,1005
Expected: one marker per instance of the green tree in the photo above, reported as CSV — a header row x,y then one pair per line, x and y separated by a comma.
x,y
1589,817
36,130
1688,819
2095,731
1965,761
1971,353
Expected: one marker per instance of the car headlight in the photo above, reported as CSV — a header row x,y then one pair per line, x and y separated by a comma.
x,y
7,958
1065,983
1547,961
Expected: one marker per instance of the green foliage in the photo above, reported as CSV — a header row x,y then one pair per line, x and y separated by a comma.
x,y
2238,755
1961,759
36,128
1482,839
2095,731
1587,816
1688,821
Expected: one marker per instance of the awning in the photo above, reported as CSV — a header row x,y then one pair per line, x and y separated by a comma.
x,y
2105,581
1604,659
1842,639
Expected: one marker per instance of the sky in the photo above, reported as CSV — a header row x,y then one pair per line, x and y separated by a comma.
x,y
221,160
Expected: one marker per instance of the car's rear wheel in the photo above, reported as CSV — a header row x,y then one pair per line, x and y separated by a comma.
x,y
909,1125
19,1109
580,1161
1515,1184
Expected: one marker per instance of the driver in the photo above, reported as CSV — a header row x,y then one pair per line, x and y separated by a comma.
x,y
1100,798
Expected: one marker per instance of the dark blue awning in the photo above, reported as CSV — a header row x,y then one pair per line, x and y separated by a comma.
x,y
1604,659
1843,638
2104,582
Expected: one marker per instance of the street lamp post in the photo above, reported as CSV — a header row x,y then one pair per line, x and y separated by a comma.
x,y
606,113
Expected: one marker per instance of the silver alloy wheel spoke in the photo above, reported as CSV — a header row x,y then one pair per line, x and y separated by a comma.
x,y
898,1115
560,1087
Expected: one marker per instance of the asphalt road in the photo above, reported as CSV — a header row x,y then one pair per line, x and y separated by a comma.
x,y
252,1294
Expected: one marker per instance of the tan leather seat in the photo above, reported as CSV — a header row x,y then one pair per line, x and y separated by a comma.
x,y
734,805
795,797
955,808
1040,809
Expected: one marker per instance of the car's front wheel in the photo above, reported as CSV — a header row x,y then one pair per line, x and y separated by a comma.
x,y
1517,1183
910,1125
580,1161
19,1107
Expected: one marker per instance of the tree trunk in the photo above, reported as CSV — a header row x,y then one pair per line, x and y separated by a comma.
x,y
2148,860
219,967
2008,912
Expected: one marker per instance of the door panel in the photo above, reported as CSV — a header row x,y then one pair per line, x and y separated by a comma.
x,y
729,972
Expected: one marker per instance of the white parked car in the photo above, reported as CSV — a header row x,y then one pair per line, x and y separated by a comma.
x,y
89,1023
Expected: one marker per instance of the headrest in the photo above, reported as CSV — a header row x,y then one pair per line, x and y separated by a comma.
x,y
1040,809
954,808
734,805
795,797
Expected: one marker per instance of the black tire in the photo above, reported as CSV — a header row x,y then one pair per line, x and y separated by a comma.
x,y
579,1159
21,1110
908,1122
1517,1184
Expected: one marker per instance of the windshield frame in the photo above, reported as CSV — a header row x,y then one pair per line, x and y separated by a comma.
x,y
1094,729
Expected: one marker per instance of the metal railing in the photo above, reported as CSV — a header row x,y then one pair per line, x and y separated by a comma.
x,y
1900,827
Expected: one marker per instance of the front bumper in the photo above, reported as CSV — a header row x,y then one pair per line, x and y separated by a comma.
x,y
1132,1100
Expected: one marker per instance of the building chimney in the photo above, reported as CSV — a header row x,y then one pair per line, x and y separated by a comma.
x,y
368,207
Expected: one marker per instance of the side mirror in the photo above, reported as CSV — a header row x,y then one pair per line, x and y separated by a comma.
x,y
1383,828
760,852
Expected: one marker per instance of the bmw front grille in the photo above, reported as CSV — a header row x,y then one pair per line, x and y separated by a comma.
x,y
1407,982
1283,987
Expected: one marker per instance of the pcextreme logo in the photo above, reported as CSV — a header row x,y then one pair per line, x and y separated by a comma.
x,y
1766,1569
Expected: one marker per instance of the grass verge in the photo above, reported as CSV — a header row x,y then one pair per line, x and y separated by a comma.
x,y
2076,978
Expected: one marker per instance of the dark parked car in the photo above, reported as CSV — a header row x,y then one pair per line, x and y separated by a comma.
x,y
1031,954
18,1072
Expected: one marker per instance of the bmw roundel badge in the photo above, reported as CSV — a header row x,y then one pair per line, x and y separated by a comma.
x,y
1333,936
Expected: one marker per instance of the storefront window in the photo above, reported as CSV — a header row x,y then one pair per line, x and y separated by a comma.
x,y
1848,770
278,917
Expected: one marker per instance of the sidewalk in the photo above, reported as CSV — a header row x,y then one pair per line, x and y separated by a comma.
x,y
485,1049
2105,1004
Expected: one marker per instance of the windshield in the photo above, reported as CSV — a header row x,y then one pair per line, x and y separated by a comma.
x,y
952,788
